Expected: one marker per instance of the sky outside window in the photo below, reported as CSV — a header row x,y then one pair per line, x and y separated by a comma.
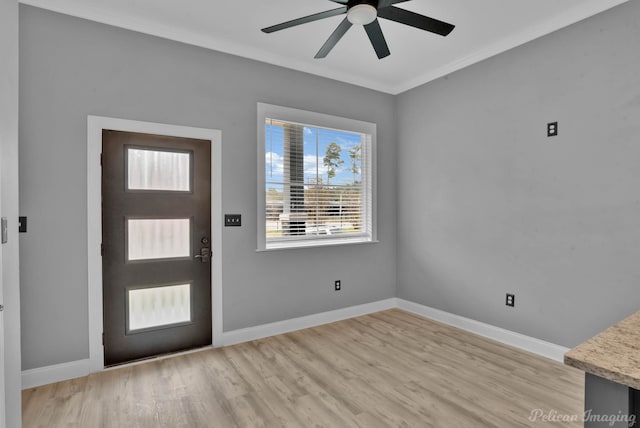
x,y
316,141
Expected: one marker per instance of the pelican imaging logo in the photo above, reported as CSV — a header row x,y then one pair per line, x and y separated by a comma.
x,y
540,415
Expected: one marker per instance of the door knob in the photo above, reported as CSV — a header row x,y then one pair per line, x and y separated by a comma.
x,y
205,254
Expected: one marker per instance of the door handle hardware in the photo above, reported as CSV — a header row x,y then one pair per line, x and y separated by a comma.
x,y
205,255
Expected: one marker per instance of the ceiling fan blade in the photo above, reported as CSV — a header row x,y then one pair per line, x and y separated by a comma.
x,y
333,39
412,19
340,1
306,19
377,39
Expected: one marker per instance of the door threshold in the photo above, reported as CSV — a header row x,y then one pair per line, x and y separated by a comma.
x,y
156,358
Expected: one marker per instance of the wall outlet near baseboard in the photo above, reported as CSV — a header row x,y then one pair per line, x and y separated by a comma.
x,y
338,285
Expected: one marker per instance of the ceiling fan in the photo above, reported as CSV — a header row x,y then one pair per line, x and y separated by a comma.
x,y
366,13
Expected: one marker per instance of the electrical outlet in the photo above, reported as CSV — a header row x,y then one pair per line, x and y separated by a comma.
x,y
552,129
338,285
511,300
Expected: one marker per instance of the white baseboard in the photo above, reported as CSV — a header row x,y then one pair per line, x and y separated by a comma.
x,y
59,372
286,326
517,340
56,373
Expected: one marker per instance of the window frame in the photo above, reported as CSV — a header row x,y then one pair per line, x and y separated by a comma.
x,y
320,120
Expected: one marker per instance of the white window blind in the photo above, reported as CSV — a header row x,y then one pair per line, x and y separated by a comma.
x,y
317,182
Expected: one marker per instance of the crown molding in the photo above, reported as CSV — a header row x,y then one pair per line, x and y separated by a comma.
x,y
182,35
577,14
175,33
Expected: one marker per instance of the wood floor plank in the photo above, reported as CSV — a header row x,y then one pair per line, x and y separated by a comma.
x,y
388,369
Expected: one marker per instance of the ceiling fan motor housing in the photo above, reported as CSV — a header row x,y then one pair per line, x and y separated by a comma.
x,y
352,3
362,12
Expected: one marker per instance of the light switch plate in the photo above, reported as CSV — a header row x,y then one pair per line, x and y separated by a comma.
x,y
22,224
233,220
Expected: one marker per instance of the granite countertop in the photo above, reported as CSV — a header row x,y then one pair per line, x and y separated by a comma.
x,y
613,354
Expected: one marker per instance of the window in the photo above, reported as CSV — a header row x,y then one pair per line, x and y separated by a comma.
x,y
149,169
316,179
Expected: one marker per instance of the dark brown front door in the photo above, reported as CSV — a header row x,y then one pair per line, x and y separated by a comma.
x,y
156,234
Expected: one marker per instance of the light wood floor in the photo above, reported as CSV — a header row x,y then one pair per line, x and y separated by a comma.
x,y
389,369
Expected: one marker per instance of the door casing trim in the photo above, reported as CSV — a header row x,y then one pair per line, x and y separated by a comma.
x,y
95,125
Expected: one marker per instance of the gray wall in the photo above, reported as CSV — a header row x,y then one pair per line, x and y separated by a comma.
x,y
71,68
486,203
9,282
489,205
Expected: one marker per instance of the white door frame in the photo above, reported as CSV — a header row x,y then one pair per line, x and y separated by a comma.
x,y
95,125
2,385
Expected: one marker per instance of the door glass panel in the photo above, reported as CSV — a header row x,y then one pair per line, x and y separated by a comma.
x,y
158,306
158,170
149,239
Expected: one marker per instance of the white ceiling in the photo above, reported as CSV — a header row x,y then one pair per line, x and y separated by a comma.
x,y
483,28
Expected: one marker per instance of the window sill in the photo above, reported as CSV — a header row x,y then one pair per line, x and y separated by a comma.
x,y
314,244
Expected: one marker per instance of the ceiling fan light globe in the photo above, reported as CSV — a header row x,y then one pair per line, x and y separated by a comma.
x,y
362,14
